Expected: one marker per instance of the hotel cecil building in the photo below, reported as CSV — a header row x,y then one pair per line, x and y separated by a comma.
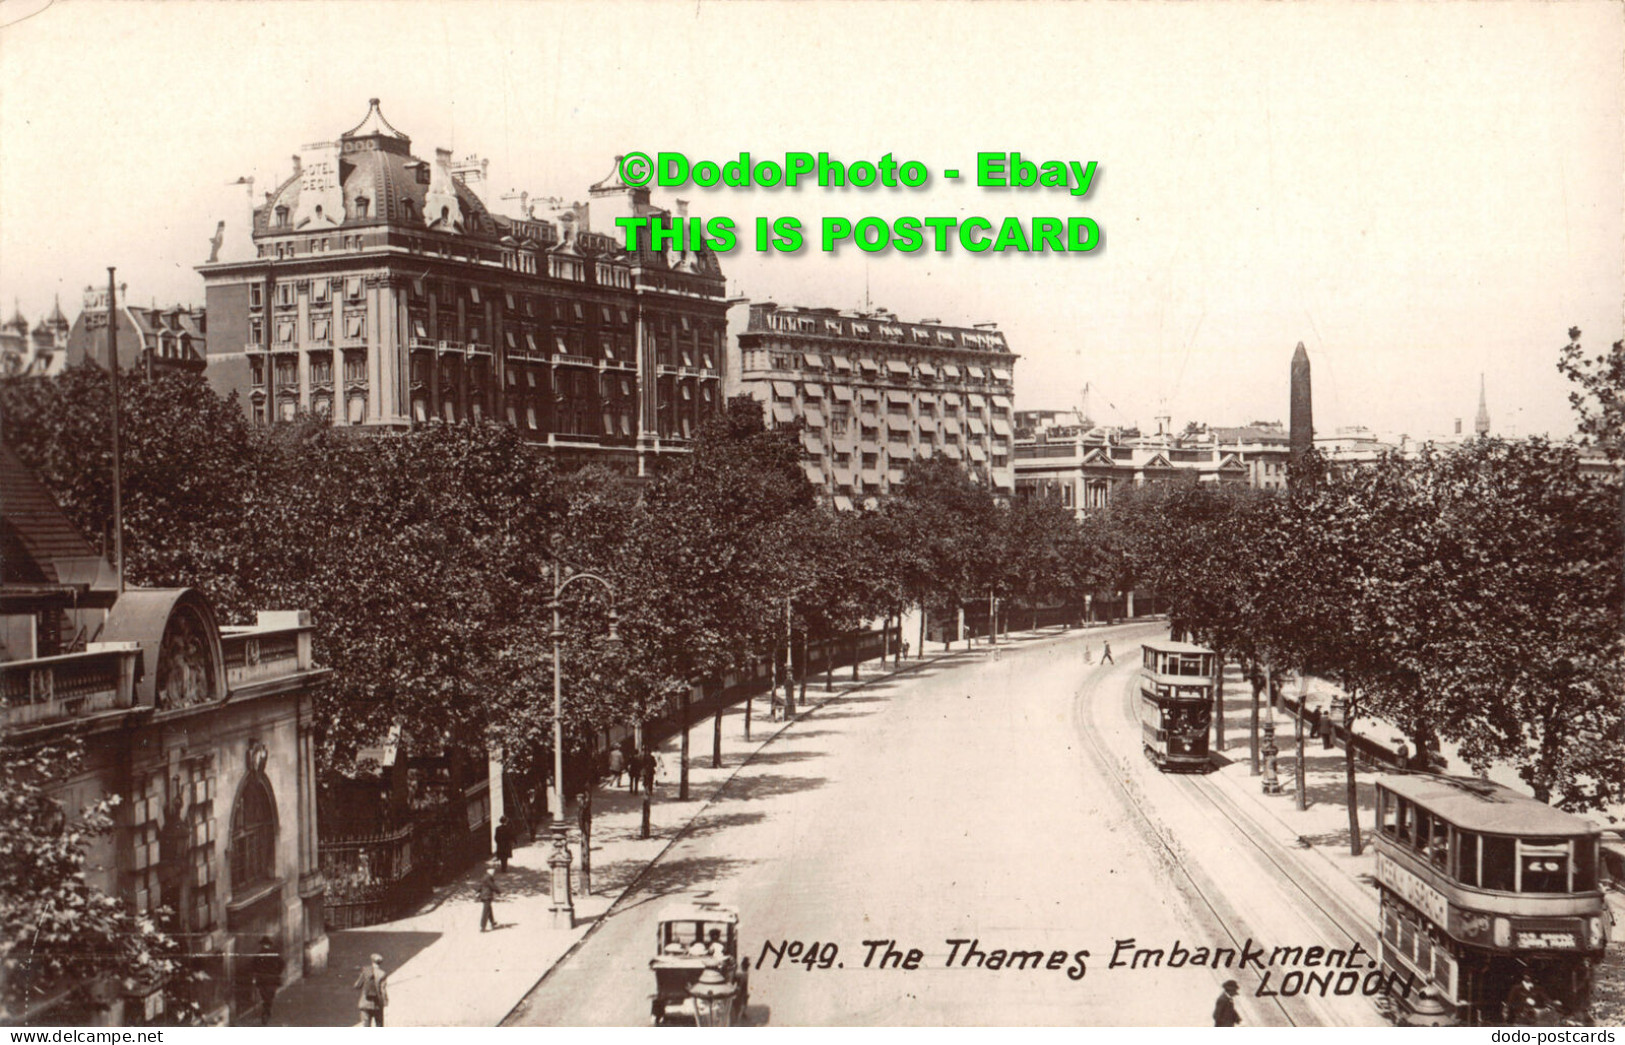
x,y
379,290
874,393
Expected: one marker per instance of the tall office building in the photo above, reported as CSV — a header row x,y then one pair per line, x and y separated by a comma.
x,y
874,393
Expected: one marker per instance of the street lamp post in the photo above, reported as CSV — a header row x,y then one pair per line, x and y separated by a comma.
x,y
562,580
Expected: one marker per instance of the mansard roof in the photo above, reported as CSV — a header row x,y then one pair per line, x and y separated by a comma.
x,y
375,162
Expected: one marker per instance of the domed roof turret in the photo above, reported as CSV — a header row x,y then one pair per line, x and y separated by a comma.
x,y
374,126
380,182
17,322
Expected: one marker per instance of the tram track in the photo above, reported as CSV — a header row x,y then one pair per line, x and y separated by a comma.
x,y
1326,912
1190,880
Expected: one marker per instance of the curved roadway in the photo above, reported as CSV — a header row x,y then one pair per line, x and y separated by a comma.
x,y
965,801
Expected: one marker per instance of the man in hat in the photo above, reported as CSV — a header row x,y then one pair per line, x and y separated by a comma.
x,y
1224,1010
1526,1001
504,840
374,995
487,894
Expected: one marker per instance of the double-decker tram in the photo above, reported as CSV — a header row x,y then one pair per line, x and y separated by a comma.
x,y
1482,887
1176,704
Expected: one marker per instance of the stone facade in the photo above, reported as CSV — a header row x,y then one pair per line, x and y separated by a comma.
x,y
204,733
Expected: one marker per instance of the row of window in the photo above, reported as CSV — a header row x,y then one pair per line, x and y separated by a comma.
x,y
1485,861
286,369
313,245
828,326
321,329
812,366
1199,665
321,292
682,332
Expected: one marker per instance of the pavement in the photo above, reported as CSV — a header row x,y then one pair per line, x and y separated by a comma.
x,y
444,972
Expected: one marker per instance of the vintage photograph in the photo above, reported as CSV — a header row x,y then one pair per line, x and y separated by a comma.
x,y
829,514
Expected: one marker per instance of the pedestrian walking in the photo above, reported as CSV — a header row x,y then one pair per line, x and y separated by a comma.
x,y
267,977
1224,1010
634,771
487,895
617,764
584,815
905,649
1328,731
1106,653
504,840
372,983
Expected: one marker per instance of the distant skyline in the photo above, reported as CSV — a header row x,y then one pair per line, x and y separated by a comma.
x,y
1419,192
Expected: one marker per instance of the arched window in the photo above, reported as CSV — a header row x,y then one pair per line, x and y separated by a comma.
x,y
253,835
361,204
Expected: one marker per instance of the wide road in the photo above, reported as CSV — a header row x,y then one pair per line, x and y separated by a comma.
x,y
957,803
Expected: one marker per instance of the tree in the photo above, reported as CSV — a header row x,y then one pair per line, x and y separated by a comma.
x,y
188,462
1048,560
1523,662
1600,399
944,533
423,558
703,579
61,938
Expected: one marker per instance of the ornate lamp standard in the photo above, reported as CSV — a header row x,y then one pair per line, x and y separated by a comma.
x,y
563,577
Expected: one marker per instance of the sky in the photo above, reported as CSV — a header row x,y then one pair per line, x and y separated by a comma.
x,y
1418,192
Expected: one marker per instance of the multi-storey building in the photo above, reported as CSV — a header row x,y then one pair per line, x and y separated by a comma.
x,y
149,339
382,291
874,393
1082,466
1265,449
42,353
203,732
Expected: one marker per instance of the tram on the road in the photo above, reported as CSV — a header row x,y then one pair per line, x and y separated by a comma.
x,y
1176,704
1482,886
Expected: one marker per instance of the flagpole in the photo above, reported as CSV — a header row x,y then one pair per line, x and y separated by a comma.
x,y
118,464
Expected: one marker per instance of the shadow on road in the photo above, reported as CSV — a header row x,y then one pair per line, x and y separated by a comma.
x,y
683,875
825,716
777,758
746,788
711,824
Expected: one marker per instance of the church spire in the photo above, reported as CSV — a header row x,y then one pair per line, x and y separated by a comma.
x,y
1481,423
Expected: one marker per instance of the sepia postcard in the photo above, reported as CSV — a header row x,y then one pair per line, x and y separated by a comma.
x,y
811,514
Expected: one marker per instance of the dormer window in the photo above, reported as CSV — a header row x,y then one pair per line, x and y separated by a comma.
x,y
406,207
361,205
282,217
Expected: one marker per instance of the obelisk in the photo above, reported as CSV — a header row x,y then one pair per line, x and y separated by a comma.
x,y
1301,436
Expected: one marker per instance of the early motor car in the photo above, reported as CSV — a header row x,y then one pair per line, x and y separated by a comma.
x,y
699,977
